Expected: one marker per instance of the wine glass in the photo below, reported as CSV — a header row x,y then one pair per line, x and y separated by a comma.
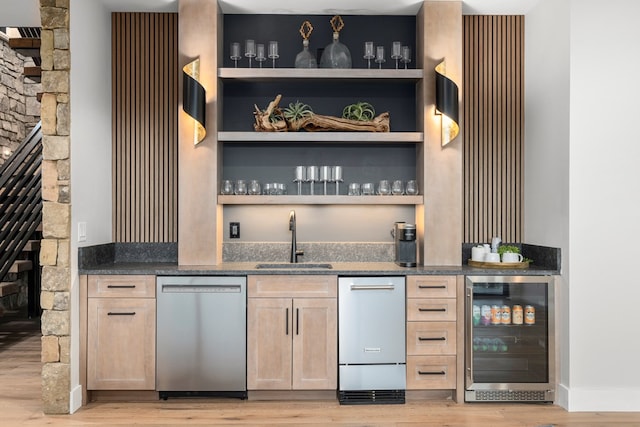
x,y
336,176
235,53
260,57
273,52
300,177
412,187
368,53
406,55
250,50
380,56
312,177
397,188
325,176
396,52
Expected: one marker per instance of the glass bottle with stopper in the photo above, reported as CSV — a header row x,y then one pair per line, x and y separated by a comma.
x,y
305,59
336,54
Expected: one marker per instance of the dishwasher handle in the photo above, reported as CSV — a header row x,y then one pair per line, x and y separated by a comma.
x,y
196,289
373,287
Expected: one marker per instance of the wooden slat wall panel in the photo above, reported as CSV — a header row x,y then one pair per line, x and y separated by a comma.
x,y
144,123
493,124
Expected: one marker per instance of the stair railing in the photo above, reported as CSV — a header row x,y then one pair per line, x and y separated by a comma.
x,y
20,198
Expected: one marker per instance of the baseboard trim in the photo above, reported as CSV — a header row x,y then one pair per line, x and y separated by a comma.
x,y
603,399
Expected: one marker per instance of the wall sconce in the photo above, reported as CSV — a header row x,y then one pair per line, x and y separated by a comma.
x,y
194,99
446,105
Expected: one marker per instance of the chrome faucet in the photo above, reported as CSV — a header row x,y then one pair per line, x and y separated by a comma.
x,y
295,253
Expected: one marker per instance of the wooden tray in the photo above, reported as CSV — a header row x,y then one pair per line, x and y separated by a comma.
x,y
503,265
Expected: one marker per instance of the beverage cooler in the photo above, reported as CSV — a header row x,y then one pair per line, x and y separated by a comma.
x,y
509,333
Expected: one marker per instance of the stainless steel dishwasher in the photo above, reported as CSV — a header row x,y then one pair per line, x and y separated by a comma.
x,y
201,336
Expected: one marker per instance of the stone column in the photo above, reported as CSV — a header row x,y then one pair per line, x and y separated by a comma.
x,y
56,215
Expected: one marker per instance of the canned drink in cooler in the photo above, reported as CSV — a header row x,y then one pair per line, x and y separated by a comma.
x,y
517,315
496,317
476,315
529,315
485,314
505,315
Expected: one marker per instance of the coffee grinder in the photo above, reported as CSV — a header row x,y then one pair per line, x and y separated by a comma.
x,y
405,244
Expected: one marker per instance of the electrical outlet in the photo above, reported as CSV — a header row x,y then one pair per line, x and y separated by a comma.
x,y
234,230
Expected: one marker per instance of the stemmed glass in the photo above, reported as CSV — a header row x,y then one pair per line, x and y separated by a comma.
x,y
312,177
300,177
235,53
380,56
273,52
406,55
368,53
250,50
260,54
325,176
396,52
336,176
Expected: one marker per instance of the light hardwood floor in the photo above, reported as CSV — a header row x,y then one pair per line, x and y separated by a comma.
x,y
20,405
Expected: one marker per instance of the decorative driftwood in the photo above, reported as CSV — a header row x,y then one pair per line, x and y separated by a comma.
x,y
316,122
263,120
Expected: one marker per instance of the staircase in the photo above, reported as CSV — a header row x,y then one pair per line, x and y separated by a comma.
x,y
20,222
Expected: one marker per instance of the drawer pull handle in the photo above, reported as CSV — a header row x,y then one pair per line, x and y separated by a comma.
x,y
121,286
432,309
432,338
431,373
128,313
432,287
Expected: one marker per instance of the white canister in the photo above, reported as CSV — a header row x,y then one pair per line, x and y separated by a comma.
x,y
477,253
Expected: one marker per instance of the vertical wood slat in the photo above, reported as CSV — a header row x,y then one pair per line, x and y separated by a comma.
x,y
144,126
493,127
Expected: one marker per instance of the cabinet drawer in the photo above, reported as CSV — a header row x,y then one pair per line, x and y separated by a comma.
x,y
431,372
278,286
431,286
434,309
123,286
431,338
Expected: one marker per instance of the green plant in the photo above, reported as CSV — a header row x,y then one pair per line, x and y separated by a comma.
x,y
508,248
297,111
361,111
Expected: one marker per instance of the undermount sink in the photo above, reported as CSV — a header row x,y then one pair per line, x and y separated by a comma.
x,y
294,266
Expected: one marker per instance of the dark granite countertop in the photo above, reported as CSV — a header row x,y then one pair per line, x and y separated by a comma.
x,y
161,259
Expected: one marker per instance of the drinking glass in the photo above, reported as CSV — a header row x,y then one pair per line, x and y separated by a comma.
x,y
383,187
354,189
312,176
336,176
325,176
368,53
260,54
406,56
396,52
235,53
397,188
273,52
250,50
412,187
380,56
254,187
300,177
367,189
240,188
227,187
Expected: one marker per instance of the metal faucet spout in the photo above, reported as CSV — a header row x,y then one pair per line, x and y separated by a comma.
x,y
294,244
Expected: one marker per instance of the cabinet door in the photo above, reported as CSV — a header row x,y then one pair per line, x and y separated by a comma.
x,y
269,331
315,348
121,344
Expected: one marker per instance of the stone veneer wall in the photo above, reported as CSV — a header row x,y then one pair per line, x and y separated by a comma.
x,y
19,107
56,217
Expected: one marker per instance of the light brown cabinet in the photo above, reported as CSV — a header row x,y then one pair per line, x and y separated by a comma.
x,y
292,332
432,329
121,333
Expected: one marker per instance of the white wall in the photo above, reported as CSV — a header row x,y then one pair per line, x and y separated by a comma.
x,y
599,300
605,213
546,190
91,146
